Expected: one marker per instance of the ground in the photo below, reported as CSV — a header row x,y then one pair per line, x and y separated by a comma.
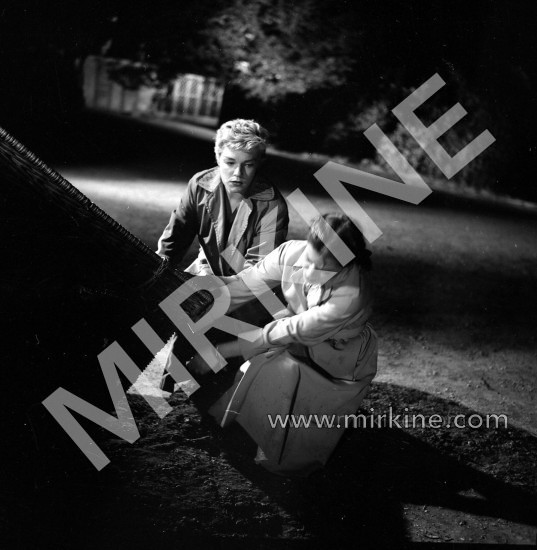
x,y
455,313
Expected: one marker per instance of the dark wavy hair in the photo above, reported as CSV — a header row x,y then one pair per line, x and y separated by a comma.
x,y
347,231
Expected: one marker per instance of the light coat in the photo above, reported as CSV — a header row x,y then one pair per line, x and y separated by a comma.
x,y
318,357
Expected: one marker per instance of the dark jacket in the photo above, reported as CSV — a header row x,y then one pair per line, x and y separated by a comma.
x,y
260,225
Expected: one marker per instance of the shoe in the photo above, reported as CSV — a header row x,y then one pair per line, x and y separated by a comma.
x,y
260,456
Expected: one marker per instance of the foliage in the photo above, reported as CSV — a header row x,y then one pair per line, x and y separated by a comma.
x,y
317,72
272,48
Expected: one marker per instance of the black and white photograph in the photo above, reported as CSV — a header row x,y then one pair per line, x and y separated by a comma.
x,y
269,274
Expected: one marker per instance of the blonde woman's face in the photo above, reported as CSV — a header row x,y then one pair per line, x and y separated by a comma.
x,y
238,168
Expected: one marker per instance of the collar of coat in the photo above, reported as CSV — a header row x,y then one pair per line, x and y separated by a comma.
x,y
260,189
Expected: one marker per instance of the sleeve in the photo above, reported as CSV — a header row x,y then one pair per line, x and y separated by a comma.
x,y
271,232
181,229
310,327
254,281
200,266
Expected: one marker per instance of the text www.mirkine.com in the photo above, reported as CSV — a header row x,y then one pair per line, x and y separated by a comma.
x,y
389,419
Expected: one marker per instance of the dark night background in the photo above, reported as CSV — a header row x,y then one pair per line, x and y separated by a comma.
x,y
316,73
455,277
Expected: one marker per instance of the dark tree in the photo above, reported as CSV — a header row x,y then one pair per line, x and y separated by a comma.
x,y
318,72
273,48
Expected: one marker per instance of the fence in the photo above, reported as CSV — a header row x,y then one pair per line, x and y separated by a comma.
x,y
189,97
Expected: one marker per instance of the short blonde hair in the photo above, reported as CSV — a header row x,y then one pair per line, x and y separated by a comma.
x,y
241,134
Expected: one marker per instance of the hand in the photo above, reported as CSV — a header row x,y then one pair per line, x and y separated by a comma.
x,y
229,349
198,366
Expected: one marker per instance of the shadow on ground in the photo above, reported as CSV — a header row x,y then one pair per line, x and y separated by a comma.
x,y
188,483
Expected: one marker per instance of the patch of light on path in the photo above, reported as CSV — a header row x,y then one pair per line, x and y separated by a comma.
x,y
159,195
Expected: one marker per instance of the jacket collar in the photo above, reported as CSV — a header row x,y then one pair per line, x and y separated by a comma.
x,y
260,189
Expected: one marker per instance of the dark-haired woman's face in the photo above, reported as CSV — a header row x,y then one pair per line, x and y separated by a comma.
x,y
318,268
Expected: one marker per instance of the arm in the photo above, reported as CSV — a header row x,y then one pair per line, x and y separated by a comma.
x,y
181,229
271,232
255,280
243,288
310,327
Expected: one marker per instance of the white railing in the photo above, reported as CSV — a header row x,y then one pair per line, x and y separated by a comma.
x,y
188,97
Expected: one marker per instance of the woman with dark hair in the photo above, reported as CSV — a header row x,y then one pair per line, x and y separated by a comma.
x,y
317,357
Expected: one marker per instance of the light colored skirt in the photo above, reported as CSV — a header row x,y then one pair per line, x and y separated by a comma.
x,y
280,383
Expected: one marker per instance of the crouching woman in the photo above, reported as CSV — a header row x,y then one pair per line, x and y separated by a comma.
x,y
317,358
